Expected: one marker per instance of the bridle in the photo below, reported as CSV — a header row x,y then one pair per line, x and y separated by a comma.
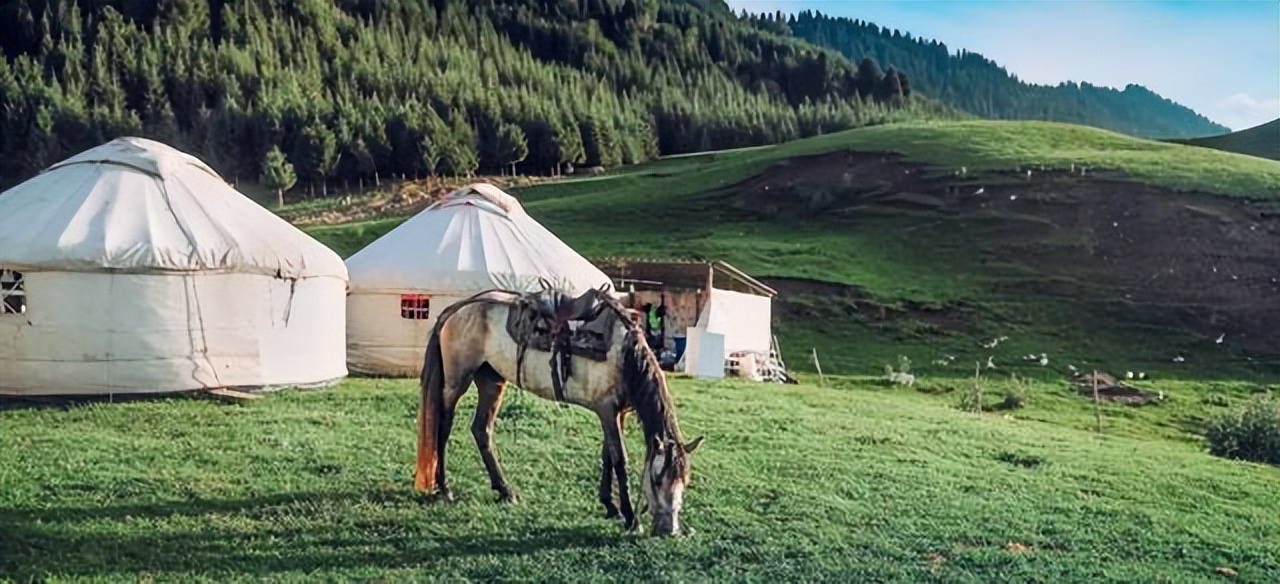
x,y
655,481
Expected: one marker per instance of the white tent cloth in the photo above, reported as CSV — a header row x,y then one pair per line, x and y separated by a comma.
x,y
743,319
138,206
742,322
139,270
474,239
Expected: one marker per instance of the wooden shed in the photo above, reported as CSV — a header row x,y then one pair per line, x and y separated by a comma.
x,y
687,286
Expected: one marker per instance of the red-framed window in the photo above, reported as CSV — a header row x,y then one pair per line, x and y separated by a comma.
x,y
13,294
415,306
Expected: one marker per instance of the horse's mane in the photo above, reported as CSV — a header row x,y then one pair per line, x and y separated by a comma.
x,y
643,384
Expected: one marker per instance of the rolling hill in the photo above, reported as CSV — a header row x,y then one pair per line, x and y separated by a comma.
x,y
1262,141
925,239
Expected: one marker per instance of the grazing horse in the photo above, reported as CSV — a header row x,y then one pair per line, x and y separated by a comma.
x,y
471,341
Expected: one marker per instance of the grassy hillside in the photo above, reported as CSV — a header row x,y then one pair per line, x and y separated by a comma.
x,y
917,264
796,483
1262,141
980,146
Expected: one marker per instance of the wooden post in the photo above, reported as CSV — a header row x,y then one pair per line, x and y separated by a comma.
x,y
821,378
232,394
1097,403
977,386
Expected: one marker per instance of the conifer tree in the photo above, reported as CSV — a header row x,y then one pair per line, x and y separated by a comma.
x,y
278,174
514,147
353,90
461,157
317,153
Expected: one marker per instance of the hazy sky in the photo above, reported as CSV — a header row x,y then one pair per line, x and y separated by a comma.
x,y
1218,57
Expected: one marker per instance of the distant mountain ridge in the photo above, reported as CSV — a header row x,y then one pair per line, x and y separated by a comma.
x,y
1262,140
976,84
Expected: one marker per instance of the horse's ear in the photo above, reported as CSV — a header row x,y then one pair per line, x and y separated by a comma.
x,y
545,284
692,445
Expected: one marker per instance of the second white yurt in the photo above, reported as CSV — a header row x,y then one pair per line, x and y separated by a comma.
x,y
474,239
133,268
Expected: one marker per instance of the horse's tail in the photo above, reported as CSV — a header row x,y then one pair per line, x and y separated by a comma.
x,y
430,406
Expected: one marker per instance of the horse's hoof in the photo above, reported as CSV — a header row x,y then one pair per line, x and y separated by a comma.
x,y
612,514
437,496
508,498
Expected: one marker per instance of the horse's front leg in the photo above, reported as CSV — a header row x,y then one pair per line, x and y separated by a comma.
x,y
611,424
606,481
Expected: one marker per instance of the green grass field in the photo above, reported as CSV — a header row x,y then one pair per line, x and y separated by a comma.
x,y
853,482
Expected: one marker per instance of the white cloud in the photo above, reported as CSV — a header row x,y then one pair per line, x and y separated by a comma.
x,y
1242,110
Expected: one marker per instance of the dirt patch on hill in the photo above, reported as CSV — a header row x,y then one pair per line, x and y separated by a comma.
x,y
1106,388
1136,253
839,181
805,298
399,198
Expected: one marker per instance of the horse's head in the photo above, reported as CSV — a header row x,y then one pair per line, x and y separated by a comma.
x,y
665,476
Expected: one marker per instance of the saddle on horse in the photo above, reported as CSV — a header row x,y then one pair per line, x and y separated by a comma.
x,y
563,326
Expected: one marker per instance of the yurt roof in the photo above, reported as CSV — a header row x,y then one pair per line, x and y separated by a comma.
x,y
475,238
136,205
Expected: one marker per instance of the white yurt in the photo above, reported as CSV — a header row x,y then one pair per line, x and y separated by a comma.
x,y
474,239
133,267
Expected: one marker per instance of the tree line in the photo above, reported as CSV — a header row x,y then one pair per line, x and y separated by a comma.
x,y
323,92
976,84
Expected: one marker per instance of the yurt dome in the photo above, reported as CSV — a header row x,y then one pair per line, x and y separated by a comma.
x,y
133,267
473,239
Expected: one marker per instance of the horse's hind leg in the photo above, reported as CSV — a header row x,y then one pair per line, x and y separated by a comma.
x,y
455,384
491,387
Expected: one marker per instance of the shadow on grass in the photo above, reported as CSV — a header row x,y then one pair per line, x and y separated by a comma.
x,y
237,537
67,402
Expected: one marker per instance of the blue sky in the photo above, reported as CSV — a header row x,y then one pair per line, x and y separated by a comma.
x,y
1218,57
